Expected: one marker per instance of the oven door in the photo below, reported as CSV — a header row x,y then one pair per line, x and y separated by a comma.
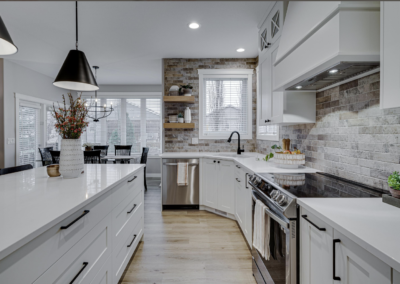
x,y
280,268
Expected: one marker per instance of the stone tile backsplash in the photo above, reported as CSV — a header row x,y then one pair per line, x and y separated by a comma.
x,y
183,71
352,138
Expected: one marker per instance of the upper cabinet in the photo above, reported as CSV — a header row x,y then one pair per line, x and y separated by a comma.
x,y
390,56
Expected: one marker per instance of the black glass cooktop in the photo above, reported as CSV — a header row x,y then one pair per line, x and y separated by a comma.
x,y
320,185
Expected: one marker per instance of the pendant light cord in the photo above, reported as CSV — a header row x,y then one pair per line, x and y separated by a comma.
x,y
76,23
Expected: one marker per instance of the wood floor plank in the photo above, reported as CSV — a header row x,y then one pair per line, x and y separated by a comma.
x,y
188,246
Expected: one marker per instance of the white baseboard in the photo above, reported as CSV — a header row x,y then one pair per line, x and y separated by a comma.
x,y
216,211
153,175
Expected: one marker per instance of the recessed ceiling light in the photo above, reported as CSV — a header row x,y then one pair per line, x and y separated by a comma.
x,y
333,71
194,26
240,49
299,87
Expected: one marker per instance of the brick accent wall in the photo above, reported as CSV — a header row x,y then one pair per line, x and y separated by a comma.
x,y
353,138
182,71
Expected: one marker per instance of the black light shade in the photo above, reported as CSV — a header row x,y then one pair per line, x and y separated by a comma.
x,y
76,74
7,45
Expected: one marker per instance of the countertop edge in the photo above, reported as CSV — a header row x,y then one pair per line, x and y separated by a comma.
x,y
362,243
21,242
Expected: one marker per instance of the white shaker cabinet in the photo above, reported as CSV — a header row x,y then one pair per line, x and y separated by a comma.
x,y
209,183
390,56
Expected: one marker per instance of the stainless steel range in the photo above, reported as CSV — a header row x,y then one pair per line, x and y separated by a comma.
x,y
279,193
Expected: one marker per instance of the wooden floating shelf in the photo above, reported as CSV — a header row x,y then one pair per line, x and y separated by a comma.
x,y
179,99
178,125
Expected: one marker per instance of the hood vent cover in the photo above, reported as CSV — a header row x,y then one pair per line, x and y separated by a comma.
x,y
335,74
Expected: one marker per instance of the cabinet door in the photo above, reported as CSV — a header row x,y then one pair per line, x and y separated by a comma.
x,y
355,265
226,193
266,89
390,45
239,204
209,183
248,201
316,250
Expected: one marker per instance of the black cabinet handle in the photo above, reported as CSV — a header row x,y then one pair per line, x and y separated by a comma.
x,y
134,206
245,180
134,237
305,217
214,161
218,162
268,120
80,271
237,166
70,224
132,179
334,257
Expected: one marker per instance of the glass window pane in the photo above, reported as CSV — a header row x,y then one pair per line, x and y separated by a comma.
x,y
153,126
53,139
133,121
113,125
28,135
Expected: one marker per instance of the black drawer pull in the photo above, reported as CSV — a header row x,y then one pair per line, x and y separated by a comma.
x,y
334,257
134,206
237,180
218,162
134,237
132,179
70,224
214,161
305,217
80,271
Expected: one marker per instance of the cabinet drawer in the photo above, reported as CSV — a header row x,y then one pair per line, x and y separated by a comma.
x,y
122,255
42,252
130,187
84,260
104,276
125,217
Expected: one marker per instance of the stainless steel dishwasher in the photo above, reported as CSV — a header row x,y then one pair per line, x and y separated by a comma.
x,y
174,196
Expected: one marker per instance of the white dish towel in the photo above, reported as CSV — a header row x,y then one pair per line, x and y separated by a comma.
x,y
182,174
261,230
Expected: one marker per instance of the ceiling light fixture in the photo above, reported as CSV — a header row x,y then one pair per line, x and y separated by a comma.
x,y
194,26
75,74
299,87
7,46
240,49
333,71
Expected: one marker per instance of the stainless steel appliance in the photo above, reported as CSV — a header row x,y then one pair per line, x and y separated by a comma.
x,y
279,193
174,196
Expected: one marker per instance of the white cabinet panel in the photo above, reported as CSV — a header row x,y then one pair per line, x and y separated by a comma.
x,y
209,183
226,193
390,57
266,89
104,276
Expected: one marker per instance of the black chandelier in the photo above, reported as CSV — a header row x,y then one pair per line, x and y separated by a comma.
x,y
95,110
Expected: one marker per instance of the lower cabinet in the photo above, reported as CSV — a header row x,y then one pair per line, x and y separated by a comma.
x,y
327,256
218,185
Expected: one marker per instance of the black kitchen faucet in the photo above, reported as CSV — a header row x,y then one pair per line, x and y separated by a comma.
x,y
239,151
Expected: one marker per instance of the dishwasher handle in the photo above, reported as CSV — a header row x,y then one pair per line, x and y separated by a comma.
x,y
175,164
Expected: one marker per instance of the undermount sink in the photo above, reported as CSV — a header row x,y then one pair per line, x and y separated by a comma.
x,y
234,155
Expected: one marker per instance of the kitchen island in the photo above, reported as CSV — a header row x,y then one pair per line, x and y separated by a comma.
x,y
55,228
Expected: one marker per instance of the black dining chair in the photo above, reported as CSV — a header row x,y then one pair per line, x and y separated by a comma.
x,y
143,160
55,156
46,156
103,151
123,150
92,157
15,169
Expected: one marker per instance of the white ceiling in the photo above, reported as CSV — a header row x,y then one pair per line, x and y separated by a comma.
x,y
128,39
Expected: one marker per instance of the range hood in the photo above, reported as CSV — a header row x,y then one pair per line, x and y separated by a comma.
x,y
324,43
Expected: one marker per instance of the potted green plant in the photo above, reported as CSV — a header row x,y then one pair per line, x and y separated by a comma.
x,y
185,90
394,184
88,146
180,118
271,155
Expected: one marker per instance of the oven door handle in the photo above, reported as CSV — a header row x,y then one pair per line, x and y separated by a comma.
x,y
272,215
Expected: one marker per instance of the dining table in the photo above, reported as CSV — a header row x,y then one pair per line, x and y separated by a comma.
x,y
123,157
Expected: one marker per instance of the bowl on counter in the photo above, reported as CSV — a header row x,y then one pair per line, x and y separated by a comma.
x,y
289,161
53,170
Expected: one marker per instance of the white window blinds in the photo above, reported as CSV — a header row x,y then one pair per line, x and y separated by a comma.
x,y
28,133
225,107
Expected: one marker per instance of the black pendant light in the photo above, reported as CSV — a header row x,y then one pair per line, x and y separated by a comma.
x,y
7,45
76,74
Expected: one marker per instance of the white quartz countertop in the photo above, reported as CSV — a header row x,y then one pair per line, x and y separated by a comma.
x,y
369,222
247,160
31,202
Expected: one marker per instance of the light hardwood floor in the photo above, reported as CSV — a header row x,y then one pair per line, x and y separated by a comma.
x,y
188,246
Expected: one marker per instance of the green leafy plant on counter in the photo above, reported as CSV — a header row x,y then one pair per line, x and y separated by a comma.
x,y
188,86
271,155
180,115
394,181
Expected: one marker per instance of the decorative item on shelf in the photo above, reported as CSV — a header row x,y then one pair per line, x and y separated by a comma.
x,y
186,90
70,124
53,170
173,118
75,73
88,146
180,118
95,110
173,91
394,184
286,144
188,115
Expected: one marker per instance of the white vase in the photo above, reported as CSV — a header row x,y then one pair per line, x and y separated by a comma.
x,y
71,158
188,115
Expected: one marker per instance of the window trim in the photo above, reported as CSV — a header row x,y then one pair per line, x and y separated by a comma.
x,y
260,136
228,73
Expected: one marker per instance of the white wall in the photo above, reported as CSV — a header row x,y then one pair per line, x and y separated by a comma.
x,y
18,79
